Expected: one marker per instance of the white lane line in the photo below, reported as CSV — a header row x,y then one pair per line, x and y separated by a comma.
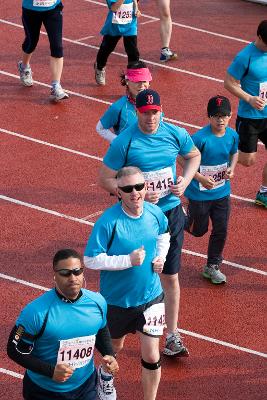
x,y
226,262
222,343
84,38
93,215
56,146
183,25
147,22
161,65
31,139
82,221
12,373
45,210
194,334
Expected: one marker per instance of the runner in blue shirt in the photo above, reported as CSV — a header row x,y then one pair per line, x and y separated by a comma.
x,y
209,191
34,14
129,244
55,335
153,146
121,114
121,21
246,78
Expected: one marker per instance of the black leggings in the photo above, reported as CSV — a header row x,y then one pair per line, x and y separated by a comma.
x,y
108,46
52,20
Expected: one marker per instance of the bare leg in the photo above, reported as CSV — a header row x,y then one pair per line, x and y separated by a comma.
x,y
56,67
165,22
150,354
171,288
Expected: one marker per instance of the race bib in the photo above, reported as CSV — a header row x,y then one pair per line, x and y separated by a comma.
x,y
217,172
155,319
263,91
44,3
124,15
76,352
159,181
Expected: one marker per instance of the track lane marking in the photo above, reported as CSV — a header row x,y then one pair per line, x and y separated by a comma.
x,y
83,221
79,153
185,332
158,64
84,96
193,28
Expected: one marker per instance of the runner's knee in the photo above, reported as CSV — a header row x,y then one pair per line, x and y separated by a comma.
x,y
151,365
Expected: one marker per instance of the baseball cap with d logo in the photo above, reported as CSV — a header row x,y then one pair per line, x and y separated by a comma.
x,y
148,100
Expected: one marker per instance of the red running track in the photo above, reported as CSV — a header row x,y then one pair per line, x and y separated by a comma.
x,y
224,327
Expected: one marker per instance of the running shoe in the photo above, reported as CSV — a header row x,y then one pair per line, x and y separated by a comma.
x,y
25,74
100,76
167,55
57,93
174,346
261,199
105,386
213,273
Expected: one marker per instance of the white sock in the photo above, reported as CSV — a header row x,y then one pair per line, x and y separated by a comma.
x,y
263,189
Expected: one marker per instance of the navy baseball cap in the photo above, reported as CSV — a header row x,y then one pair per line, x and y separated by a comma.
x,y
148,100
219,105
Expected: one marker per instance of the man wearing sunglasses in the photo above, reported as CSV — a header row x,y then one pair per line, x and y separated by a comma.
x,y
154,145
55,335
129,244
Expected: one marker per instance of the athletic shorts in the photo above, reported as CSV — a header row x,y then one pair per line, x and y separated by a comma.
x,y
176,221
87,391
250,131
122,321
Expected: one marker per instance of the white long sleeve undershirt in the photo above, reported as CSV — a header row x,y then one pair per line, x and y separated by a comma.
x,y
117,263
105,133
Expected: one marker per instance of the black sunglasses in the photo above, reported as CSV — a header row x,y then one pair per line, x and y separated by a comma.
x,y
128,189
68,272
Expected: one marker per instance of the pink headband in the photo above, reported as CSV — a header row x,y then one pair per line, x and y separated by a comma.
x,y
138,75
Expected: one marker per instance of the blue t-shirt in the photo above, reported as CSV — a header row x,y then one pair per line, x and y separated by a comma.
x,y
120,23
119,116
250,68
215,156
155,154
116,233
82,318
40,5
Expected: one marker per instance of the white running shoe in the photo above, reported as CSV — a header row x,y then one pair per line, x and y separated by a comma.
x,y
25,75
105,386
57,93
100,75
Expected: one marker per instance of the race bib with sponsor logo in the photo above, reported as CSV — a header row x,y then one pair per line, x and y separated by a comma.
x,y
76,352
124,15
155,319
159,181
263,91
217,172
44,3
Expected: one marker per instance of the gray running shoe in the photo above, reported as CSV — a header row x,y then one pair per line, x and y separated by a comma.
x,y
174,346
100,76
57,94
213,273
105,387
25,75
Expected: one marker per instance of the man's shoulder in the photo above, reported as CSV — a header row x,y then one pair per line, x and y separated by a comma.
x,y
41,304
171,128
153,209
94,297
110,215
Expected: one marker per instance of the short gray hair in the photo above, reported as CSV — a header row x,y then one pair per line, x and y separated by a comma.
x,y
128,171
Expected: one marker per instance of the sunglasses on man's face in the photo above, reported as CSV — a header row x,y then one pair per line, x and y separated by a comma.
x,y
68,272
128,189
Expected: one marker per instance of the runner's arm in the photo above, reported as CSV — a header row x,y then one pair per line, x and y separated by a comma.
x,y
107,179
105,133
20,352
